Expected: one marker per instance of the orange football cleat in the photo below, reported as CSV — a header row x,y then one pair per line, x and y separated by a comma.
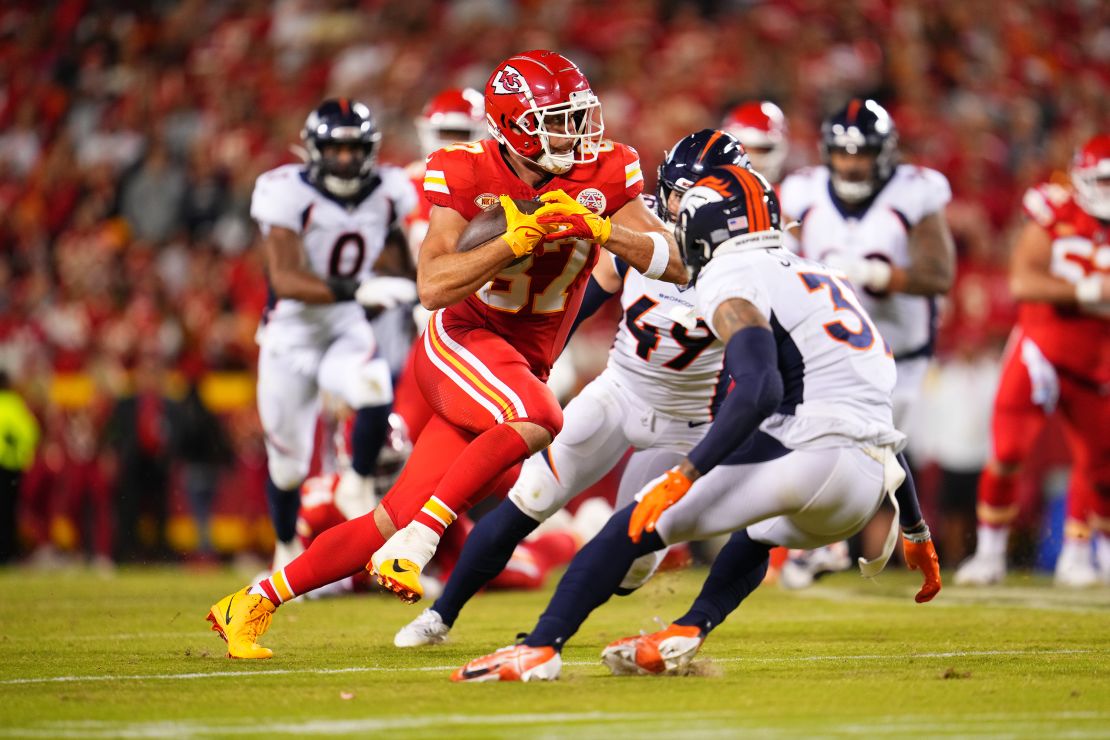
x,y
669,650
513,663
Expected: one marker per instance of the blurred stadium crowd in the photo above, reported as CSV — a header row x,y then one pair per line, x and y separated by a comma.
x,y
131,135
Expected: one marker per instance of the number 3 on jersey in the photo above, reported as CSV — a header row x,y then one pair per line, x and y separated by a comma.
x,y
844,299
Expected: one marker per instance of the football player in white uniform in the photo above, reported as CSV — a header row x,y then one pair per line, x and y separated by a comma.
x,y
882,223
801,454
330,228
657,394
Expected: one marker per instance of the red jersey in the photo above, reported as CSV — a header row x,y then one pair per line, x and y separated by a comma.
x,y
1074,341
416,223
531,304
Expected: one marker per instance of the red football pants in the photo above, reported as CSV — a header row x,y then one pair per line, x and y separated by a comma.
x,y
1018,421
473,380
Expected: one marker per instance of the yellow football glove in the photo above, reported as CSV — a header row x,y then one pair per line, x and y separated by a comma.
x,y
522,231
577,221
656,497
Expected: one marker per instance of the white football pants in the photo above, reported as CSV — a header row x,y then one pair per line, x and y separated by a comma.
x,y
291,374
804,499
599,425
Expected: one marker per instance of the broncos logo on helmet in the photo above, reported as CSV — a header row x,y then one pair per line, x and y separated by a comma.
x,y
728,206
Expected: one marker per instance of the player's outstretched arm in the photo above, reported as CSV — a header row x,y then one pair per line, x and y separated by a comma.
x,y
289,273
1031,278
630,241
445,277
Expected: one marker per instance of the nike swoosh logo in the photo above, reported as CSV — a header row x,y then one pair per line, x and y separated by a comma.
x,y
397,567
227,614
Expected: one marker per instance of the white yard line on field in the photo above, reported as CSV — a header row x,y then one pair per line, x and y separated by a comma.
x,y
248,673
573,724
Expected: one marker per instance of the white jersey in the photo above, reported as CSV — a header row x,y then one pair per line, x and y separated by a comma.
x,y
882,230
664,351
837,371
339,240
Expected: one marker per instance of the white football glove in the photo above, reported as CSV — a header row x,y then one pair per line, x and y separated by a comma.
x,y
872,274
385,292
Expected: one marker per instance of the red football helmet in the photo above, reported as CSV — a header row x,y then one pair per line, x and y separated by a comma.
x,y
761,127
1090,174
452,116
540,106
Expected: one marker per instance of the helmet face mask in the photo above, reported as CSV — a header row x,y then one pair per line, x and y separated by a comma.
x,y
540,106
862,128
1090,176
687,160
342,142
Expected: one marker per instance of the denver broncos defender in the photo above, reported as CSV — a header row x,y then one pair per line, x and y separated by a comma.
x,y
328,227
801,454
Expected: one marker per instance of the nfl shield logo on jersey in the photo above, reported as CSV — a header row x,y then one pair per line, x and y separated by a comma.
x,y
486,201
593,199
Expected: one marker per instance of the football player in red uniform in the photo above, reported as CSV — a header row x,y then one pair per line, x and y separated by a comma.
x,y
1058,359
760,125
502,314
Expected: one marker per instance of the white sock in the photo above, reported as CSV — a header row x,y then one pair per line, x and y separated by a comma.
x,y
992,541
1102,554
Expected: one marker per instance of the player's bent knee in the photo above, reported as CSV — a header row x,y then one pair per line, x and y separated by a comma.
x,y
287,473
372,386
535,434
537,494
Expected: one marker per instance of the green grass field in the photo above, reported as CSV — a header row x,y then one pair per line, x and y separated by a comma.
x,y
132,657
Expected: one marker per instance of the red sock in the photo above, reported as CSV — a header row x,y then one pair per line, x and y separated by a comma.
x,y
997,490
341,551
473,474
436,516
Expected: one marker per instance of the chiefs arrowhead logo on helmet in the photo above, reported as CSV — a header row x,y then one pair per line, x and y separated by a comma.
x,y
508,82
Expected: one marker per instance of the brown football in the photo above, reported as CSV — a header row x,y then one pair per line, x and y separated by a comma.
x,y
490,224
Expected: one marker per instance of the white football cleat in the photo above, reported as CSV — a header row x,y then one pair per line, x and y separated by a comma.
x,y
801,570
981,570
1075,568
669,650
427,629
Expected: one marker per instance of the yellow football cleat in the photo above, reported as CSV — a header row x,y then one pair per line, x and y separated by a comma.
x,y
401,576
240,619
